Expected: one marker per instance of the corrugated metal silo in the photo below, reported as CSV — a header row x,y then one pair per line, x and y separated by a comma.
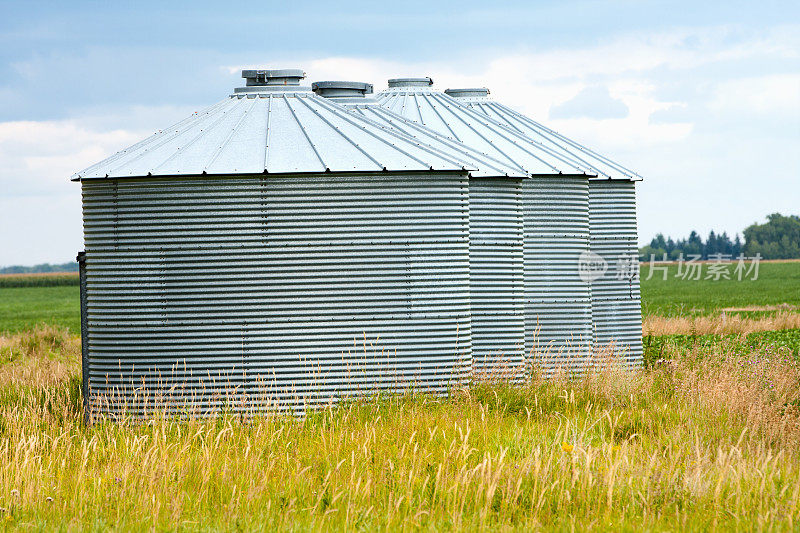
x,y
496,238
616,303
616,300
274,252
555,218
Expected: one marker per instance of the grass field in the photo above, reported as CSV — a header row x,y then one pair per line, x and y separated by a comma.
x,y
705,437
655,347
778,284
21,308
706,441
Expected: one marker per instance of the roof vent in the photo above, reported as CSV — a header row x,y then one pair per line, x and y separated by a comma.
x,y
410,82
341,89
272,80
286,76
467,93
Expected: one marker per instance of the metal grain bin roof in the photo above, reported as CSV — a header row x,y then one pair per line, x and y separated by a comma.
x,y
414,99
353,96
273,125
479,100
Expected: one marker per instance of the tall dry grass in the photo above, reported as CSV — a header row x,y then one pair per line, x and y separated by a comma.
x,y
722,324
705,440
45,357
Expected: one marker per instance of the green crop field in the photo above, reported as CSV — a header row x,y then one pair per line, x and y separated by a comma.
x,y
50,279
21,308
777,284
787,340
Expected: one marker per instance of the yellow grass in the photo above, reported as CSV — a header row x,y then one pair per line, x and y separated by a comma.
x,y
722,324
44,357
703,441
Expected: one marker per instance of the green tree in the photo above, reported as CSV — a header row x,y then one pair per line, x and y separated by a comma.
x,y
778,238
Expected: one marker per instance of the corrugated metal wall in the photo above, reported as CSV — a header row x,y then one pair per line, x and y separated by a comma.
x,y
616,300
496,278
558,307
234,292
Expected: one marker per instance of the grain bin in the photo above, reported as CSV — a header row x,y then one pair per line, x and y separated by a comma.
x,y
496,238
274,251
616,303
616,300
555,217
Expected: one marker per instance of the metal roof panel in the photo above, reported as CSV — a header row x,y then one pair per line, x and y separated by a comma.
x,y
447,116
275,129
351,95
486,164
478,100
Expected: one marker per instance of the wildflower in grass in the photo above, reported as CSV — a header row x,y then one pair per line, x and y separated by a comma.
x,y
567,447
616,448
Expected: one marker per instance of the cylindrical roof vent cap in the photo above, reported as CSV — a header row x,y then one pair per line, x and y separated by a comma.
x,y
341,89
410,82
260,78
467,93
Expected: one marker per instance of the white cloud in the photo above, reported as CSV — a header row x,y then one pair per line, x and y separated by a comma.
x,y
40,209
592,102
635,130
776,94
677,49
39,157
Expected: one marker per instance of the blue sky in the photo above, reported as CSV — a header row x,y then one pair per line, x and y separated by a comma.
x,y
702,98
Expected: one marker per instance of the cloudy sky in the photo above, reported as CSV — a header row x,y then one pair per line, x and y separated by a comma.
x,y
702,98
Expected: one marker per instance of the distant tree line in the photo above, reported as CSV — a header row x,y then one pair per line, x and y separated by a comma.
x,y
694,245
778,238
44,267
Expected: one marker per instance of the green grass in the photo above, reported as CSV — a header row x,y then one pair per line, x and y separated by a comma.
x,y
777,283
787,340
21,308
